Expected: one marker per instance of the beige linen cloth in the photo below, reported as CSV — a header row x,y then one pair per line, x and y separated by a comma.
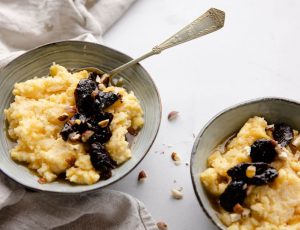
x,y
25,24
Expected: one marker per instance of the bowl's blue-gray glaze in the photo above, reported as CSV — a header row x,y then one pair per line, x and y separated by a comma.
x,y
225,124
77,54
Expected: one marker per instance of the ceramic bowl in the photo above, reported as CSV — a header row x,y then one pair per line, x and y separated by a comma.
x,y
76,54
225,124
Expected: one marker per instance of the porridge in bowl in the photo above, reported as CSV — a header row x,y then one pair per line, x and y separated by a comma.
x,y
72,125
253,178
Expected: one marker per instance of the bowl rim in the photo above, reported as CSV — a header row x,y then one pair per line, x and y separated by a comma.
x,y
206,126
66,42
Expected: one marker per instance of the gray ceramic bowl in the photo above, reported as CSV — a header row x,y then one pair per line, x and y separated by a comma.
x,y
225,124
76,54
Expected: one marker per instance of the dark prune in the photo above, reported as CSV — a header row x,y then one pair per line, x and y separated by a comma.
x,y
83,95
93,120
103,135
78,121
283,134
105,99
235,193
264,173
101,160
262,150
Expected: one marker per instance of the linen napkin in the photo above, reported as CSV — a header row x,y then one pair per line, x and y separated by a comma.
x,y
24,25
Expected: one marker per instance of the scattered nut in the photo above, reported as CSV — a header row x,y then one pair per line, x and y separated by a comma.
x,y
270,127
177,194
172,115
296,141
250,171
71,161
175,156
74,136
235,217
63,117
162,225
103,123
86,135
42,180
238,209
142,176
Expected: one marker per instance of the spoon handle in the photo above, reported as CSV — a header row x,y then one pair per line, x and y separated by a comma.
x,y
210,21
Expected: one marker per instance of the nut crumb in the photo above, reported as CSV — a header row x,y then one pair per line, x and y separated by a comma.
x,y
132,131
162,225
74,136
142,176
177,194
103,123
71,161
175,156
42,180
86,135
63,117
238,208
172,115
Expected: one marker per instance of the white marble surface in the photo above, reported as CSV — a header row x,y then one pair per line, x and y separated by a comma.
x,y
256,54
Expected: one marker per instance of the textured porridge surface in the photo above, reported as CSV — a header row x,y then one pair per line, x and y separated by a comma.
x,y
34,124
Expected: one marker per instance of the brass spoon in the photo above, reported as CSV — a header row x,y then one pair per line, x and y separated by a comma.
x,y
210,21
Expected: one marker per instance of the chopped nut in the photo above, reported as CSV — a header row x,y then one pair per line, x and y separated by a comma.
x,y
78,121
235,217
70,109
104,79
98,79
246,212
176,194
270,127
282,152
71,161
42,180
63,117
162,225
250,171
132,131
248,150
238,209
296,141
86,135
74,136
103,123
172,115
101,87
142,176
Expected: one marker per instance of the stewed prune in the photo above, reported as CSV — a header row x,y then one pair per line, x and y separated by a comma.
x,y
283,134
262,150
264,173
93,120
83,95
103,135
105,99
235,193
101,160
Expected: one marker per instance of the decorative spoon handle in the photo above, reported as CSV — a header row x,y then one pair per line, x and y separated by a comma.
x,y
210,21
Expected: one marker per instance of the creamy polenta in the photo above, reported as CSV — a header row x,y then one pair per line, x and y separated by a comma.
x,y
273,206
35,125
